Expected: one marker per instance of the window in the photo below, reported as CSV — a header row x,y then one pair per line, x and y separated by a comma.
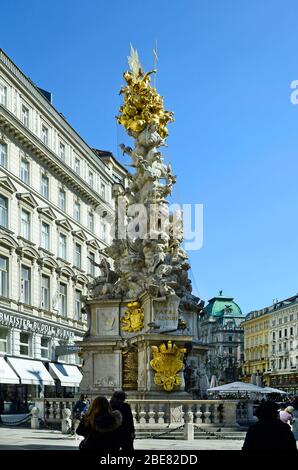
x,y
24,171
3,154
78,255
3,276
63,299
286,332
45,135
45,292
279,364
26,284
78,304
286,363
103,190
230,338
291,331
62,151
279,347
44,347
91,267
279,333
273,348
25,224
44,189
77,166
25,116
3,340
291,317
62,246
230,350
280,321
3,95
24,344
91,221
91,179
3,211
273,336
45,236
62,199
77,211
285,319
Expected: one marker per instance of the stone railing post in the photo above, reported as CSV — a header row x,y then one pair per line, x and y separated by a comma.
x,y
66,422
133,406
142,414
151,413
229,412
34,418
188,424
160,413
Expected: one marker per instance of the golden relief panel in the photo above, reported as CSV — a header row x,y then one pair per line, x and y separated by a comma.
x,y
133,319
167,362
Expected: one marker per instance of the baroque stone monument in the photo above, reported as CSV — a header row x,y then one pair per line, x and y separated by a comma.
x,y
142,315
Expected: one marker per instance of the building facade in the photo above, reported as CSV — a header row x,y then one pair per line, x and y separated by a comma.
x,y
56,213
271,344
256,345
220,327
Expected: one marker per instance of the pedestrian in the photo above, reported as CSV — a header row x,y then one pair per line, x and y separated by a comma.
x,y
81,407
99,427
286,415
269,433
126,431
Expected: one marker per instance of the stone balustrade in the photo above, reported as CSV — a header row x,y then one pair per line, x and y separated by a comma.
x,y
165,413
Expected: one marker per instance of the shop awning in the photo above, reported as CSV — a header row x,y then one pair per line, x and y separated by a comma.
x,y
7,375
69,376
31,372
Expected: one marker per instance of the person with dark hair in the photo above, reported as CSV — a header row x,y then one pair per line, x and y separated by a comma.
x,y
126,430
99,427
269,433
81,407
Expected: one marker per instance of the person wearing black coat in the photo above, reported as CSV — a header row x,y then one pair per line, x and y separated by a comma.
x,y
99,427
126,431
269,433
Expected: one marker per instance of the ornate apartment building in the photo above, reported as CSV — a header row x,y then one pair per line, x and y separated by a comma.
x,y
220,327
56,211
271,344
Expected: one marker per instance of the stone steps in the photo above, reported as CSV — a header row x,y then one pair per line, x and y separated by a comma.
x,y
198,434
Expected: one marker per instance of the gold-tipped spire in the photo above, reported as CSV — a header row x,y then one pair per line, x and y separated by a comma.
x,y
142,104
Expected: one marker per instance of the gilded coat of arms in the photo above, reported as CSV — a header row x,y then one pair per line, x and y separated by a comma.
x,y
167,362
133,319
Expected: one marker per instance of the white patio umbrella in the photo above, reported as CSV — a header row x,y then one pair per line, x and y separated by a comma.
x,y
273,390
236,387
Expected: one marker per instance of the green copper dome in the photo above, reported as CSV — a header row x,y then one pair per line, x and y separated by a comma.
x,y
221,305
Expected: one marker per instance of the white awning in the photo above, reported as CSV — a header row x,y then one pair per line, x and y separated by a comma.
x,y
31,372
7,375
69,376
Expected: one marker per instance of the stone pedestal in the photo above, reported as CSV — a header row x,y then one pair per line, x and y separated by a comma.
x,y
116,358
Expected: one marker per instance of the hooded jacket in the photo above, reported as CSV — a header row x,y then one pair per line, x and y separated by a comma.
x,y
104,438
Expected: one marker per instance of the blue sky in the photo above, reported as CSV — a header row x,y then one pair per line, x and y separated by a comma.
x,y
225,68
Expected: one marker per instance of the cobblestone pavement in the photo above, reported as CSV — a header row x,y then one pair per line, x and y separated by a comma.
x,y
12,438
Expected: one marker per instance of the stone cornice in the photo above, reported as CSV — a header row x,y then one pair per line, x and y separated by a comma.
x,y
31,142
